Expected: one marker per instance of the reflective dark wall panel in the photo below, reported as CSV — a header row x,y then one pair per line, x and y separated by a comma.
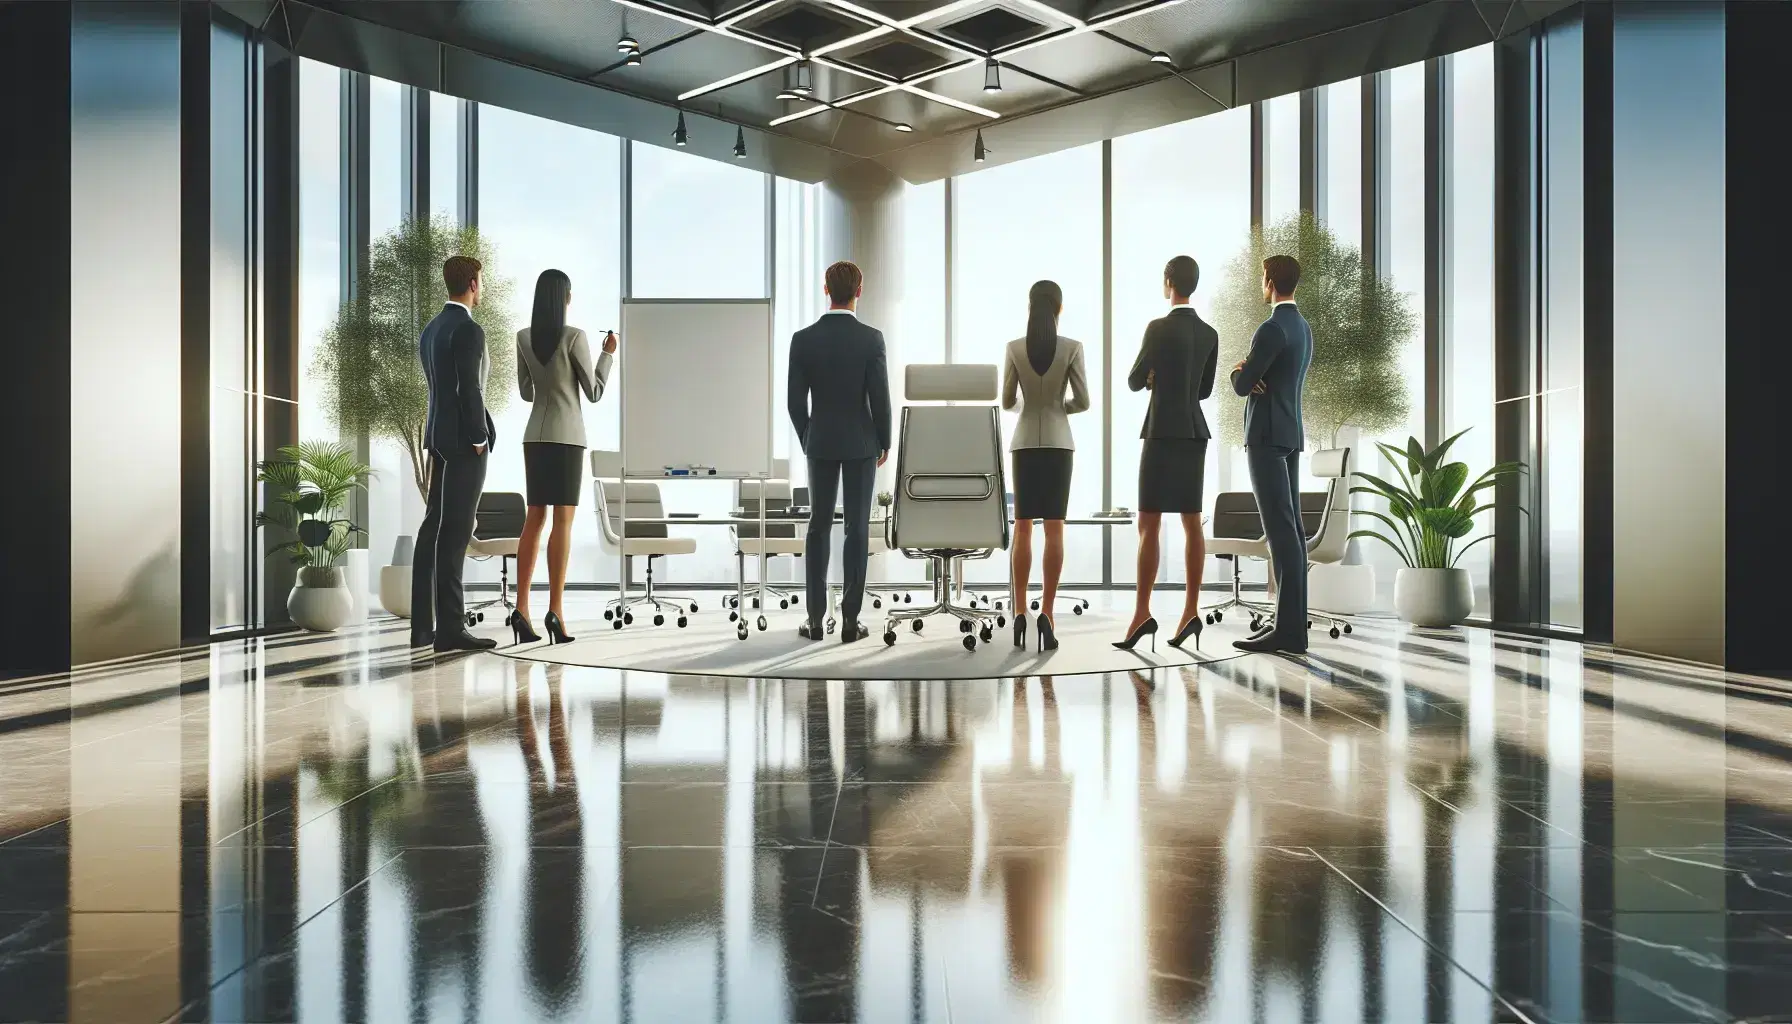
x,y
1668,361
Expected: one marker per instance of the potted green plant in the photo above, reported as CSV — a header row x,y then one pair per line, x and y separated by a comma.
x,y
1355,384
367,373
308,487
1430,510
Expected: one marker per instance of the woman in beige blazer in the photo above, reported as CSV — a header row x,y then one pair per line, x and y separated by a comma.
x,y
1044,378
553,367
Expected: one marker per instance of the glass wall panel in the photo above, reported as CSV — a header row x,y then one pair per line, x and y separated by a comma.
x,y
1343,171
1468,333
234,375
549,198
320,228
1014,225
798,301
394,508
1563,316
918,335
1281,157
444,155
1183,189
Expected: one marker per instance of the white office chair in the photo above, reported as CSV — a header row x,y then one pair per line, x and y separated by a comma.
x,y
644,540
950,489
497,527
1326,545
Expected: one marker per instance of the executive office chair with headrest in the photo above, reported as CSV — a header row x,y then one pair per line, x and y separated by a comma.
x,y
950,489
645,540
497,527
1325,517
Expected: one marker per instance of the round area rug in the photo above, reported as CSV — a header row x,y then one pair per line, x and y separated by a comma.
x,y
708,647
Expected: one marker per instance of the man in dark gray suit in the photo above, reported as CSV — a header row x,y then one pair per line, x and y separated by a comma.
x,y
1271,379
840,407
458,435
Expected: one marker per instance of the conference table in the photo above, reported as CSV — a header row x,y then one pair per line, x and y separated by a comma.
x,y
793,516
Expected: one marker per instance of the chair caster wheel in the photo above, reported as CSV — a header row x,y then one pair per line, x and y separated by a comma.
x,y
683,622
829,625
1347,627
1035,606
741,633
617,624
783,604
1001,622
755,602
877,602
629,618
1309,623
1256,624
659,620
1210,618
693,607
1335,633
986,635
889,638
481,616
733,615
796,599
1076,609
964,625
761,624
970,643
917,626
1219,616
608,614
908,599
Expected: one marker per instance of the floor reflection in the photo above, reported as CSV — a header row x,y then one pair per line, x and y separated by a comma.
x,y
1406,827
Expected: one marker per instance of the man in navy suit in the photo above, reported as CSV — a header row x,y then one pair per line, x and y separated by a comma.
x,y
840,406
1271,380
458,435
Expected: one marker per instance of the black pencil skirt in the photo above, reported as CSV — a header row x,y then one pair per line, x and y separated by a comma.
x,y
554,472
1042,482
1170,474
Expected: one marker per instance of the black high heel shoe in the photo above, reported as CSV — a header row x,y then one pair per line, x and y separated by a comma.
x,y
1148,628
1190,628
556,630
1048,638
1020,630
519,626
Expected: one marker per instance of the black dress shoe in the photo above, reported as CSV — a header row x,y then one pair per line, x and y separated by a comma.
x,y
1271,644
810,631
463,642
852,630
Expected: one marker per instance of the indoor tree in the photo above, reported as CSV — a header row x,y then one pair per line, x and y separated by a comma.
x,y
1359,321
367,372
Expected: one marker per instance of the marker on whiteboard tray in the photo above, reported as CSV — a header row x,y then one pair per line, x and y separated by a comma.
x,y
675,471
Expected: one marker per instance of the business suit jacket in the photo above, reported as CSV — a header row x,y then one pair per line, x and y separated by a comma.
x,y
839,389
1045,413
553,389
1183,352
1281,351
454,361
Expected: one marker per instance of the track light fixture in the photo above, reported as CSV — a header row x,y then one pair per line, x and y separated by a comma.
x,y
740,143
632,58
680,137
1160,57
978,152
803,79
992,75
627,43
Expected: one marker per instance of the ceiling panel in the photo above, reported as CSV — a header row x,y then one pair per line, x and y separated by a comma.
x,y
1199,32
991,26
1088,60
686,65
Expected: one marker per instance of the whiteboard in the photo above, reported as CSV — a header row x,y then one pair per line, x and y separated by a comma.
x,y
697,386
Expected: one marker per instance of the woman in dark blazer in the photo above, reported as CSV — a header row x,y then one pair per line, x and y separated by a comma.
x,y
1176,362
1044,378
553,367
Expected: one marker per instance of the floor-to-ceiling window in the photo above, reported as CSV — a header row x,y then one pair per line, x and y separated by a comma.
x,y
320,229
697,231
1563,316
394,506
1014,225
1281,157
550,198
1341,178
1468,302
1183,189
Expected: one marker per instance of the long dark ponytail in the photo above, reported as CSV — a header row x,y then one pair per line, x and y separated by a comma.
x,y
548,321
1043,303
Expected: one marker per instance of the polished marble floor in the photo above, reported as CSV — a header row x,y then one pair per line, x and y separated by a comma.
x,y
1405,826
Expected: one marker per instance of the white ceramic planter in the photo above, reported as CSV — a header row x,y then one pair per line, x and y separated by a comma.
x,y
320,601
395,590
1342,589
1433,597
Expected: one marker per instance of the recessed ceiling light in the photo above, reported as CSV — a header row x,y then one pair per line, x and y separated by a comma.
x,y
1160,57
992,75
903,126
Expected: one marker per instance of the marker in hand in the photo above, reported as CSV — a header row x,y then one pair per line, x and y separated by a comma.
x,y
610,342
